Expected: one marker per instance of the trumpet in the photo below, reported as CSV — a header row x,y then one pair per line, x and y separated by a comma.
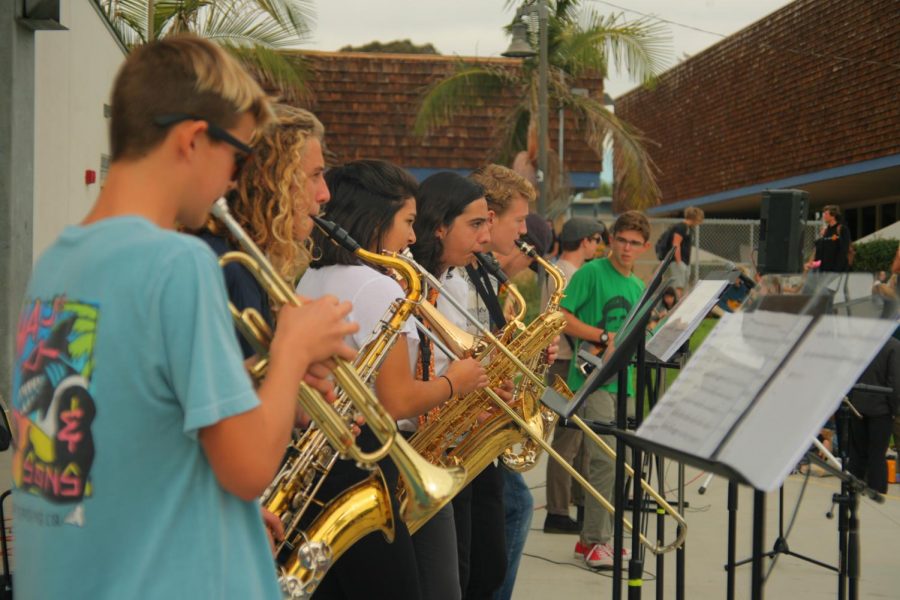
x,y
541,335
254,328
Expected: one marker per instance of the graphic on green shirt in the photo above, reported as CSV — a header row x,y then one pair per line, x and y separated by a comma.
x,y
600,296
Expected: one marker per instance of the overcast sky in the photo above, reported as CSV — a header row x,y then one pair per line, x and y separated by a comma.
x,y
474,27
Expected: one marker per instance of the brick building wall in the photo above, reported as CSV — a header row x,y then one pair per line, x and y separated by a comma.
x,y
811,87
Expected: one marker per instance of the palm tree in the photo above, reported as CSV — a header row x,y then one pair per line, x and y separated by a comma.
x,y
254,30
581,41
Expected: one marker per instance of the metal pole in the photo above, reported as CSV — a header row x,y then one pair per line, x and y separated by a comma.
x,y
757,578
562,135
151,18
543,119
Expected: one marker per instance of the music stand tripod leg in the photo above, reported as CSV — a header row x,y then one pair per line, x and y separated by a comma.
x,y
619,495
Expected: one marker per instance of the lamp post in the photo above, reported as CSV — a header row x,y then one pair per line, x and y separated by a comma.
x,y
520,48
543,119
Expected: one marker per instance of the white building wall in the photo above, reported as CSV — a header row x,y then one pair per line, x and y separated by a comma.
x,y
74,71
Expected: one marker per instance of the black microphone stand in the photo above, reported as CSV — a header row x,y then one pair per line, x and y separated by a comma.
x,y
848,501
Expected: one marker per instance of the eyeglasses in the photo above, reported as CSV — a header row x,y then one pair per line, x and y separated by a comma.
x,y
213,131
597,238
632,243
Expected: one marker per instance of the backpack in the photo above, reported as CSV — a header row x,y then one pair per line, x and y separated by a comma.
x,y
664,243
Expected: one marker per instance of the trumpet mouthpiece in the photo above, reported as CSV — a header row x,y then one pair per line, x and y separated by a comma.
x,y
220,208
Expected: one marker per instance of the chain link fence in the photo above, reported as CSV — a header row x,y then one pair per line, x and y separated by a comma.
x,y
720,244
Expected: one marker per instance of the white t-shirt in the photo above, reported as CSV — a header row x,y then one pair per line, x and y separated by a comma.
x,y
371,293
456,282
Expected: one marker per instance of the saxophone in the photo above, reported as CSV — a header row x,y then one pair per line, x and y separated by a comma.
x,y
366,506
470,431
541,418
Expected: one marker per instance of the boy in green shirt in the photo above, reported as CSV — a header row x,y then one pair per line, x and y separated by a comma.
x,y
599,296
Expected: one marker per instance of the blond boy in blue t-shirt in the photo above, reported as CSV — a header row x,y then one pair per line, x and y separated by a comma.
x,y
141,443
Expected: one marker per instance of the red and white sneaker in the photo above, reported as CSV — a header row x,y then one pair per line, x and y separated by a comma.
x,y
580,549
600,556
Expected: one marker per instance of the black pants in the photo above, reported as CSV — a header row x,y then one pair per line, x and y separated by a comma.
x,y
869,438
480,535
372,567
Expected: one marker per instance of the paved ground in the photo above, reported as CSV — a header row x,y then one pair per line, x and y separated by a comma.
x,y
548,571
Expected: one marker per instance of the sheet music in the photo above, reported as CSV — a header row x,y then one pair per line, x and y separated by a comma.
x,y
685,317
721,380
781,425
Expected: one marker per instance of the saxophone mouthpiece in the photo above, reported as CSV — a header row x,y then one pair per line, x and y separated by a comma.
x,y
493,267
337,234
526,248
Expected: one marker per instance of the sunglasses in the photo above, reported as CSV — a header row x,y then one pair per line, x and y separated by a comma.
x,y
213,131
597,238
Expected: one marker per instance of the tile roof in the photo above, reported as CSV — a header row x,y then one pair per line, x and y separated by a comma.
x,y
368,103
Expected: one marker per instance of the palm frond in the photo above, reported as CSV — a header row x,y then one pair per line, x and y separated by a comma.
x,y
297,16
128,18
635,171
640,48
274,69
241,23
512,134
467,84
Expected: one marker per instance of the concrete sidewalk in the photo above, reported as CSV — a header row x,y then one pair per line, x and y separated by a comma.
x,y
549,571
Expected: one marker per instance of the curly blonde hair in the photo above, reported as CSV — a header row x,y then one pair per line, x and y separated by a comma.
x,y
266,198
501,185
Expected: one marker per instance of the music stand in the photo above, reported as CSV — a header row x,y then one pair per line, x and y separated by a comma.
x,y
626,342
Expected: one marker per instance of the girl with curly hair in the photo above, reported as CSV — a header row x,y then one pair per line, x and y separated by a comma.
x,y
281,184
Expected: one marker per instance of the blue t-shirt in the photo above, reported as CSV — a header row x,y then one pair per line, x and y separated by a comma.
x,y
124,351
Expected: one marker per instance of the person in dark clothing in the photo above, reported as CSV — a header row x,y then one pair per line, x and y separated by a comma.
x,y
869,435
681,240
832,248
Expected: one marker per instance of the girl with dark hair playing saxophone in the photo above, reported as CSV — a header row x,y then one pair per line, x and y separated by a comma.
x,y
374,202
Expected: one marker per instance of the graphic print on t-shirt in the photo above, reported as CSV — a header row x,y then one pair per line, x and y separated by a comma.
x,y
52,407
614,312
